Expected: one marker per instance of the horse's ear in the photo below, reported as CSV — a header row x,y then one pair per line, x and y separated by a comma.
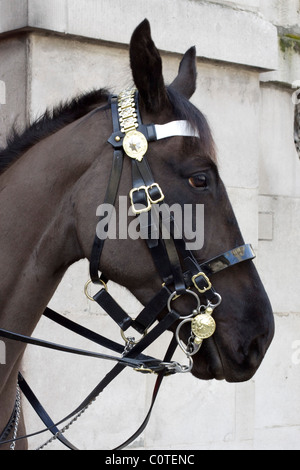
x,y
185,82
146,66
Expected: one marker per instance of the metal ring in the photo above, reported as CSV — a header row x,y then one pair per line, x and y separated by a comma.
x,y
86,289
188,368
181,344
217,304
127,340
131,340
172,297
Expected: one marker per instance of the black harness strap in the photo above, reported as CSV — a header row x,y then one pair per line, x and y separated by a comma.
x,y
169,354
42,413
115,311
164,251
126,361
82,331
149,313
89,334
110,196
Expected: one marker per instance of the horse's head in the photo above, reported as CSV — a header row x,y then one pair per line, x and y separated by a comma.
x,y
185,169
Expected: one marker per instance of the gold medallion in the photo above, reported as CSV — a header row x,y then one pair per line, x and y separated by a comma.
x,y
203,326
135,145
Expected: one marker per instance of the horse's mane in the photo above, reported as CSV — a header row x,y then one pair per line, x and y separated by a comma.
x,y
55,119
50,122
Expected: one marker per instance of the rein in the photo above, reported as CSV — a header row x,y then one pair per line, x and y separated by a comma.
x,y
131,137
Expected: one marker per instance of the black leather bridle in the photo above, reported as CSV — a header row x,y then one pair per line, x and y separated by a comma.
x,y
180,275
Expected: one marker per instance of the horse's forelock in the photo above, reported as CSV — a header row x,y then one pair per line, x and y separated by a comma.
x,y
185,110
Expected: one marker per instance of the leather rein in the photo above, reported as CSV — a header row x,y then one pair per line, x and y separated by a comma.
x,y
130,137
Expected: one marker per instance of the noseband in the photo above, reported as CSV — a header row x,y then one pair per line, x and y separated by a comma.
x,y
180,273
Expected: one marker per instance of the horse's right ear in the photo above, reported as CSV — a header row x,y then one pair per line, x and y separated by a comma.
x,y
146,66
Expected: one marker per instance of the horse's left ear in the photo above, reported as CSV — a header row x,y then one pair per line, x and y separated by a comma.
x,y
146,66
185,82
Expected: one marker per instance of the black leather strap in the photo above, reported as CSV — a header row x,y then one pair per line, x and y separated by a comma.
x,y
151,311
126,361
82,331
107,302
42,413
220,262
169,354
110,196
168,259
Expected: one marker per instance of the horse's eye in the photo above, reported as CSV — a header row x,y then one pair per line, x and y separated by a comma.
x,y
198,181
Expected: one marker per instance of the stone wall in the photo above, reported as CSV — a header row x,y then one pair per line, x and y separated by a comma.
x,y
248,57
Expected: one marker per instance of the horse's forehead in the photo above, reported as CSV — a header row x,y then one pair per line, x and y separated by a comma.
x,y
165,115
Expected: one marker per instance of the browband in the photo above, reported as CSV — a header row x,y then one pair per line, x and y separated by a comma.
x,y
134,136
175,128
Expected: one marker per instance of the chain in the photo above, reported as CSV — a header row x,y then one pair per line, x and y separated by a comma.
x,y
17,418
67,426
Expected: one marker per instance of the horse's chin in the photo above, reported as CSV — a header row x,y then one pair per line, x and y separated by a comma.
x,y
209,364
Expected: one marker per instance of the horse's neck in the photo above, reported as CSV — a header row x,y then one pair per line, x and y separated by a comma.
x,y
35,238
31,232
38,239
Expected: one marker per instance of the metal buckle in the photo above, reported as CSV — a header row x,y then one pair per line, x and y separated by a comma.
x,y
170,368
175,368
150,201
144,370
209,286
145,208
161,196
